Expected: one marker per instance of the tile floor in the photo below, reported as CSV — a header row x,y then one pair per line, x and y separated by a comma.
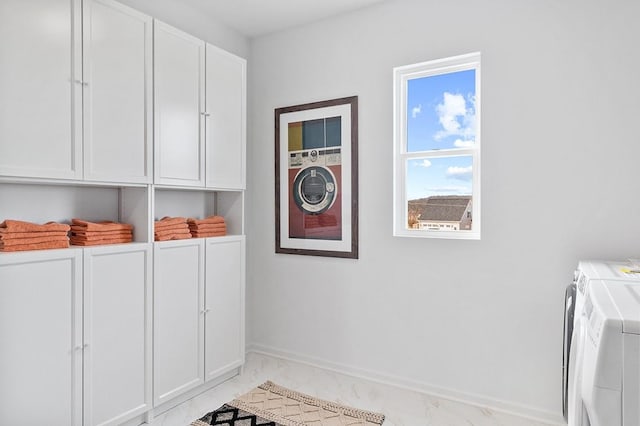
x,y
401,407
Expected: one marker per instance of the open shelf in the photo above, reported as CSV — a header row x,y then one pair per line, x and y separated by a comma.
x,y
191,203
41,203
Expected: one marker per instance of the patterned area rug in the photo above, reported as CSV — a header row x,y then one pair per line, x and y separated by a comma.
x,y
273,405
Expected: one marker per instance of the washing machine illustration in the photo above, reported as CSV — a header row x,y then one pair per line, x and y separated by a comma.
x,y
315,179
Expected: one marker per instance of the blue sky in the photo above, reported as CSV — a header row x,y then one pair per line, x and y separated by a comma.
x,y
440,115
439,176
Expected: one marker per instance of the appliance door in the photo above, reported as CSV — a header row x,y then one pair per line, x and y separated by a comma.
x,y
569,314
576,412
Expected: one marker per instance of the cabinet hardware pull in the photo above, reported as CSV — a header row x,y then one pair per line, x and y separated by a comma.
x,y
206,114
84,83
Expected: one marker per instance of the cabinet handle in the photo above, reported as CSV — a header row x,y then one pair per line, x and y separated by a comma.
x,y
206,310
206,114
84,83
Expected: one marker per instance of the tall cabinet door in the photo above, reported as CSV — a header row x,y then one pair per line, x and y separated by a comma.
x,y
41,338
117,333
225,119
179,61
40,88
178,310
117,75
224,306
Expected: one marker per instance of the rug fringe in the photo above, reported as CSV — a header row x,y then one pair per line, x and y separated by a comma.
x,y
370,416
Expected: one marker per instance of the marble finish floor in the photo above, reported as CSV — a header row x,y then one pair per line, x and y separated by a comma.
x,y
401,407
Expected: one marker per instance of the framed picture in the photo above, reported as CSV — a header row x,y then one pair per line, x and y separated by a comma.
x,y
316,153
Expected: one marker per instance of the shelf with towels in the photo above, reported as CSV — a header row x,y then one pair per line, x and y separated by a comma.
x,y
200,204
42,203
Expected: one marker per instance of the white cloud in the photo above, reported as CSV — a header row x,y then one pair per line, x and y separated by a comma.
x,y
416,110
459,143
424,163
461,173
455,117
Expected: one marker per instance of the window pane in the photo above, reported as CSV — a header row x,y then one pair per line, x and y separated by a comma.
x,y
440,193
441,111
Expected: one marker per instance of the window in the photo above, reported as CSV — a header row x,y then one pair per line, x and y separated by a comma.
x,y
437,148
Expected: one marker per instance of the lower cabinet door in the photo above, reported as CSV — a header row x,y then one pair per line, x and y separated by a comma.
x,y
224,307
40,338
178,343
117,333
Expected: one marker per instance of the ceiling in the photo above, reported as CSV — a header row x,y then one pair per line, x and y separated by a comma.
x,y
254,18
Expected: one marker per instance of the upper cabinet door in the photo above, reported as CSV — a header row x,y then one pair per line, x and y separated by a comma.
x,y
225,119
40,88
117,58
179,62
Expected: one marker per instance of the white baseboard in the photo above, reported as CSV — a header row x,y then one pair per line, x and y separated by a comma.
x,y
520,410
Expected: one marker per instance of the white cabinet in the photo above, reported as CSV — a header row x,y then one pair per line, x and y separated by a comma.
x,y
68,66
198,312
41,338
225,119
140,120
117,333
179,60
224,307
200,112
178,340
117,76
40,101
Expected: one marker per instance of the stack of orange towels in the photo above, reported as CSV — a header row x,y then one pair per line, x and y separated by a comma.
x,y
16,235
171,228
85,233
212,226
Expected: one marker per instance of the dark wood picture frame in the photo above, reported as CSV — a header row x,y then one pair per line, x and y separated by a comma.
x,y
316,179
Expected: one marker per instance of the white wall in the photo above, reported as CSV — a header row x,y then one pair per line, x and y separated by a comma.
x,y
194,21
481,320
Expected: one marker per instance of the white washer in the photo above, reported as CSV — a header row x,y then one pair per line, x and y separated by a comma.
x,y
610,270
610,388
574,328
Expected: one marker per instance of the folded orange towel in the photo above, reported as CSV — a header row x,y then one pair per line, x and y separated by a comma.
x,y
36,246
169,221
173,231
214,226
10,226
208,234
178,228
100,226
89,234
34,240
209,220
100,242
4,236
170,237
102,237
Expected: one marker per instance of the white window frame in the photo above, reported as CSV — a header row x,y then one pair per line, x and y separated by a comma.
x,y
401,76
